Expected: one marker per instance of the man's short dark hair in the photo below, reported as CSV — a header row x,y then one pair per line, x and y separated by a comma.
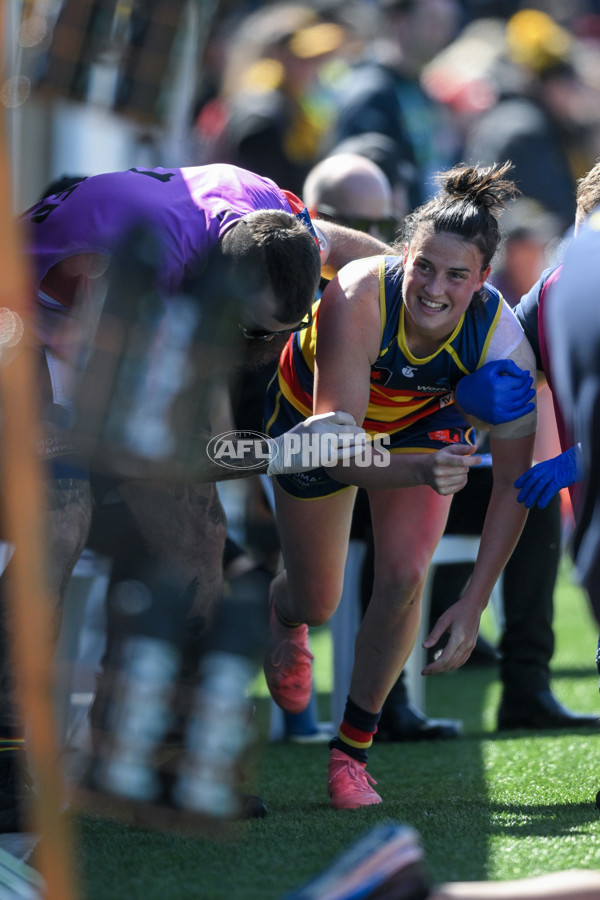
x,y
273,248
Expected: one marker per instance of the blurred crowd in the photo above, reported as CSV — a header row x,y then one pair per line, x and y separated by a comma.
x,y
417,86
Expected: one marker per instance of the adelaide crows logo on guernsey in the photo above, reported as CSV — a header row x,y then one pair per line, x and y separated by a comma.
x,y
380,375
448,435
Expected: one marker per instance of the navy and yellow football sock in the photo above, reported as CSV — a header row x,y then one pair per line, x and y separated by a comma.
x,y
355,734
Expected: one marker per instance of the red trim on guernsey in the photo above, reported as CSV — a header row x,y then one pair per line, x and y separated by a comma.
x,y
296,205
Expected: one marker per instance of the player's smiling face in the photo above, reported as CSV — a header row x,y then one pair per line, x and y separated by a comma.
x,y
441,274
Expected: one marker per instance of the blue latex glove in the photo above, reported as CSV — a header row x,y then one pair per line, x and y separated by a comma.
x,y
540,483
497,392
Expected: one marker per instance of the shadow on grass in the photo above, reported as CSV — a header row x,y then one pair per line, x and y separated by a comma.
x,y
575,671
439,787
589,731
541,819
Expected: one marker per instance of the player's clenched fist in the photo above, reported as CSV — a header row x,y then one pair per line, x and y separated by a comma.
x,y
449,468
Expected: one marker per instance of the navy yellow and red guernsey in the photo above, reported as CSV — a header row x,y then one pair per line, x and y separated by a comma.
x,y
404,389
411,400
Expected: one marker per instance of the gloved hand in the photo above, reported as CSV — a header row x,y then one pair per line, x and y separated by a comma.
x,y
498,392
320,440
540,483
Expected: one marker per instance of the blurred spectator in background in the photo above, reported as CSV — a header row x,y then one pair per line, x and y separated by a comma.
x,y
531,237
351,190
272,110
463,75
545,119
383,92
382,151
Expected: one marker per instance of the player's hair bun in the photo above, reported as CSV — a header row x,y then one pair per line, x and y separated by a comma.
x,y
486,186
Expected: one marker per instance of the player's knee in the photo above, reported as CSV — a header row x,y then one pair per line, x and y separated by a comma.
x,y
400,583
318,600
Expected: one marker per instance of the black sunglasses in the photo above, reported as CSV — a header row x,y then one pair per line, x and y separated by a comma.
x,y
252,334
386,228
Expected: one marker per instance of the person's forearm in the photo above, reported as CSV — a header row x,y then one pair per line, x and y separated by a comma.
x,y
445,471
504,519
502,528
346,244
208,471
233,463
385,470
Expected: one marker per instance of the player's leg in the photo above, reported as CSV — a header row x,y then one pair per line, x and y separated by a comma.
x,y
407,526
183,526
166,544
314,538
314,541
67,523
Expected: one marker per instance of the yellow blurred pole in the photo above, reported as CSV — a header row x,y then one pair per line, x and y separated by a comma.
x,y
28,603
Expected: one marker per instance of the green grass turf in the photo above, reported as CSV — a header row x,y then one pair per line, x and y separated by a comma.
x,y
488,806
